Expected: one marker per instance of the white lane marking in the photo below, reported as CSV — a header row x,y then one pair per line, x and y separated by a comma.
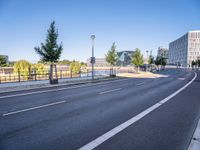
x,y
60,89
93,144
140,83
33,108
110,91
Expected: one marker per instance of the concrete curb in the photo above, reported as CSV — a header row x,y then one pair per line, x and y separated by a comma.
x,y
195,142
41,86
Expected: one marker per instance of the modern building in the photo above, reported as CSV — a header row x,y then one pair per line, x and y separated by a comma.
x,y
163,52
185,49
124,58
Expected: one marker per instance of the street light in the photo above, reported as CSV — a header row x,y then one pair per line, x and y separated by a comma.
x,y
147,59
92,61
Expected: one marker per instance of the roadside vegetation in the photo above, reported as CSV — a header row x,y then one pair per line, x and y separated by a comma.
x,y
137,59
112,57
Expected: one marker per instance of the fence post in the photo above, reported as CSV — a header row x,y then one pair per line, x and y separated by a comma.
x,y
71,73
80,73
35,72
60,74
18,75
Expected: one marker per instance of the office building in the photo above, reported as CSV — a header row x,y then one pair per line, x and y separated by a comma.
x,y
125,58
185,49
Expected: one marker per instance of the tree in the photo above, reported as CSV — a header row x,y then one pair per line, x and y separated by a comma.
x,y
50,51
193,64
160,61
151,59
198,62
64,62
23,67
3,62
75,67
111,56
137,59
39,68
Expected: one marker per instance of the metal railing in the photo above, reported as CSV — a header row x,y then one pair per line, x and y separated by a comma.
x,y
61,74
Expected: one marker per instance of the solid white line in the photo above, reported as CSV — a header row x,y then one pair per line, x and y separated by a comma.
x,y
93,144
110,91
60,89
33,108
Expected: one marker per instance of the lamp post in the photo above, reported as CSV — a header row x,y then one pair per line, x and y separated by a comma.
x,y
147,59
92,61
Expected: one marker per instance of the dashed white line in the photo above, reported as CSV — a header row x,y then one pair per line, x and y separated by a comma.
x,y
33,108
110,91
140,83
93,144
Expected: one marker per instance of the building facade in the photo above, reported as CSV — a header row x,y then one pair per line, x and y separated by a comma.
x,y
125,58
185,49
163,52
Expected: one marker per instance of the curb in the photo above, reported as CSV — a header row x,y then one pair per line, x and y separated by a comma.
x,y
41,86
195,142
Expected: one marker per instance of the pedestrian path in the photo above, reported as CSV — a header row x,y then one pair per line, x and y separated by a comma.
x,y
5,87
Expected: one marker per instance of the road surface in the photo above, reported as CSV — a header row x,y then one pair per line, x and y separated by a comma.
x,y
68,118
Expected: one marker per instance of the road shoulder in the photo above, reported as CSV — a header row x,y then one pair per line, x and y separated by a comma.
x,y
195,142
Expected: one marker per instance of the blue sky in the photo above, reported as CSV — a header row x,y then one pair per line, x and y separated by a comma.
x,y
144,24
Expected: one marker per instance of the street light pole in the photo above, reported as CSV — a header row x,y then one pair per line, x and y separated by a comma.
x,y
92,58
147,59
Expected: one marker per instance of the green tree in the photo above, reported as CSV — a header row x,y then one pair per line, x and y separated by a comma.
x,y
151,59
137,59
160,61
75,67
39,68
23,67
3,62
64,62
193,64
198,62
111,56
50,51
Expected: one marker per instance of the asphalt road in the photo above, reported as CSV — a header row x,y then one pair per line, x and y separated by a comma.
x,y
67,118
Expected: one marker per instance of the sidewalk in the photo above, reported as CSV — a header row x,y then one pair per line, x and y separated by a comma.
x,y
195,142
8,87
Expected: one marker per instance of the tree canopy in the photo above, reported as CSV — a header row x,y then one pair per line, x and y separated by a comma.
x,y
23,67
111,56
137,58
50,51
3,61
75,67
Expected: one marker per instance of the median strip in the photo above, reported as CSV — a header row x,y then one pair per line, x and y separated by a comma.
x,y
33,108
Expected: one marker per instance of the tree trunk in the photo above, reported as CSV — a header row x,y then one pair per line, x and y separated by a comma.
x,y
52,80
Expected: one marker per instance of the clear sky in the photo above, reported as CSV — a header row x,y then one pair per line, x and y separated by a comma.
x,y
144,24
